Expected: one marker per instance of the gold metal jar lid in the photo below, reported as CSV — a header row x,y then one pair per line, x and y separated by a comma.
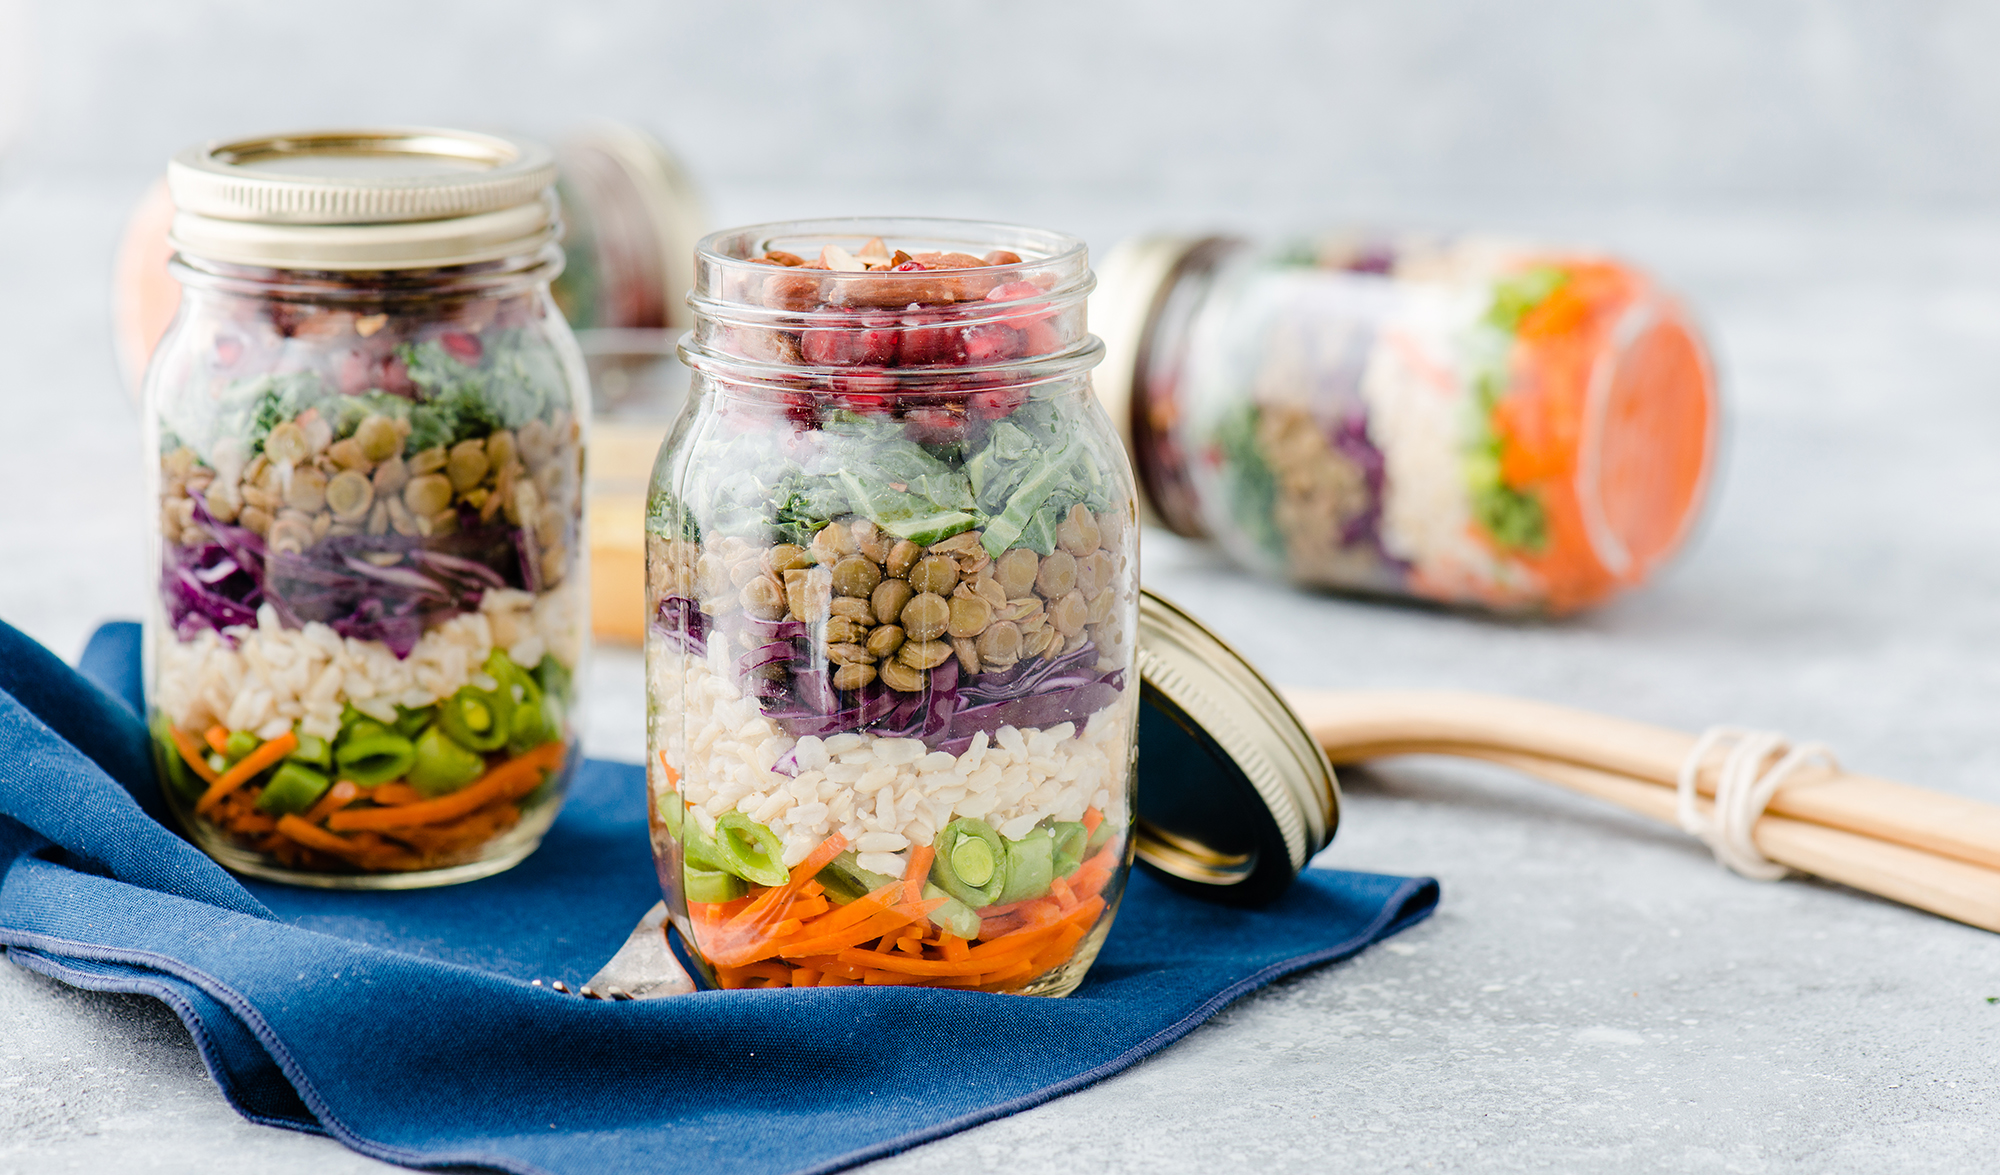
x,y
392,198
1235,795
1130,281
638,215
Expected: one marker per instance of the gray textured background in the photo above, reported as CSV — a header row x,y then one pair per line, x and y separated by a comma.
x,y
1594,994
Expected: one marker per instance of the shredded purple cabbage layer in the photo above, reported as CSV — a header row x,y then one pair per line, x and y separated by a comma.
x,y
791,684
386,588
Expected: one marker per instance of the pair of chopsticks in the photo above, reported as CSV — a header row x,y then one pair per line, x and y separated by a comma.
x,y
1923,848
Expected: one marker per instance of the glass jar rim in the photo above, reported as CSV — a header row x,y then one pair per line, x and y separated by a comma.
x,y
1042,246
307,284
724,264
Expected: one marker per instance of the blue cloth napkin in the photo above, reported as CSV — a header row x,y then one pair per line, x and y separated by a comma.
x,y
406,1026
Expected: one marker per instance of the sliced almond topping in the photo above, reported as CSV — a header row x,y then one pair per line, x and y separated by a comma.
x,y
840,260
368,324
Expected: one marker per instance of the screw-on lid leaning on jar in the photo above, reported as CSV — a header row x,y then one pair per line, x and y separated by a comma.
x,y
1456,419
1235,797
406,198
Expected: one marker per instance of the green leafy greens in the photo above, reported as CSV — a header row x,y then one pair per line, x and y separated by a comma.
x,y
1251,486
778,485
519,379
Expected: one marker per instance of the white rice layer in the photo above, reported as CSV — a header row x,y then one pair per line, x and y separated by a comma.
x,y
277,676
883,794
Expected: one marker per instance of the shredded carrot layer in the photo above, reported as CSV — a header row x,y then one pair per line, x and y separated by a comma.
x,y
785,937
510,780
389,827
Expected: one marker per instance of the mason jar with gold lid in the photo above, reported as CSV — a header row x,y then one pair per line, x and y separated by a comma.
x,y
365,434
1457,419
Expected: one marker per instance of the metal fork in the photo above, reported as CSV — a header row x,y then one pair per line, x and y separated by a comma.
x,y
643,969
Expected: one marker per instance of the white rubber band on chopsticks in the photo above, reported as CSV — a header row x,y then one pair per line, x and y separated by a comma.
x,y
1742,792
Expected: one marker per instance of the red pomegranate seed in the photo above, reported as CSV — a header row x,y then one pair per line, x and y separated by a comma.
x,y
461,346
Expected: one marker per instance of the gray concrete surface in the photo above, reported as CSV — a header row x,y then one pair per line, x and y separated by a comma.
x,y
1594,993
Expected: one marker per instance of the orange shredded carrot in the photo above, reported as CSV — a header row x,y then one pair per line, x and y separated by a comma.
x,y
246,769
1057,952
827,943
673,776
1091,819
804,977
919,868
818,859
1010,977
338,796
388,794
517,776
217,738
191,754
366,850
314,837
904,965
857,910
954,947
749,933
1063,896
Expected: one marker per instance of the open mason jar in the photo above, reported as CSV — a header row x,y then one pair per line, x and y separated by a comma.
x,y
1457,419
365,430
893,581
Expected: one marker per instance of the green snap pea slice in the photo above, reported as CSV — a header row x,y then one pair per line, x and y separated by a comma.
x,y
370,753
969,862
711,885
313,751
294,787
1030,866
750,850
1072,841
441,766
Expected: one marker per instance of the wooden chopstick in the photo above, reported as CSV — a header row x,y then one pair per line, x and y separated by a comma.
x,y
1358,725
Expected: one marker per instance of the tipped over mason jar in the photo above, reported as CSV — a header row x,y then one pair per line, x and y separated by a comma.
x,y
893,588
1459,420
366,439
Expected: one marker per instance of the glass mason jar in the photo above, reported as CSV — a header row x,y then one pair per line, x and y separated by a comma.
x,y
893,578
1457,420
365,438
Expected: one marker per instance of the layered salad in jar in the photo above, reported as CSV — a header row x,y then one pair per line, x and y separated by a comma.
x,y
893,595
1460,420
370,612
